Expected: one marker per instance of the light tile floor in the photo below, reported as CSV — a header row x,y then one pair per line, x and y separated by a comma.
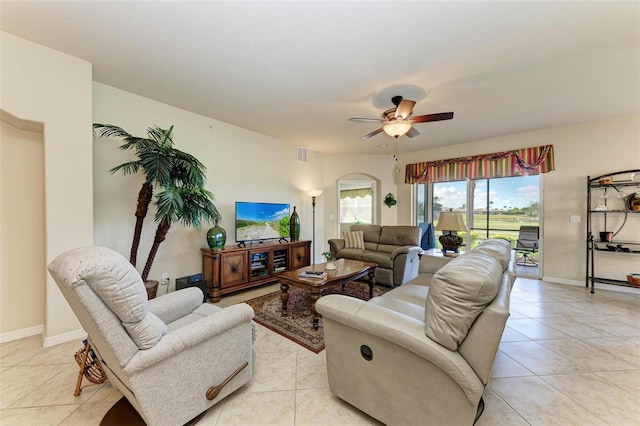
x,y
567,357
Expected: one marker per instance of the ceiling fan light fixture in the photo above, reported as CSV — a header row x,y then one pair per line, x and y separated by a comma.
x,y
397,128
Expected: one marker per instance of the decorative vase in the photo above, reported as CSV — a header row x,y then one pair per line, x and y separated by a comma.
x,y
216,237
331,265
152,288
294,225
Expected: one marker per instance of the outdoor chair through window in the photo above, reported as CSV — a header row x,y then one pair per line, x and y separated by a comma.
x,y
527,245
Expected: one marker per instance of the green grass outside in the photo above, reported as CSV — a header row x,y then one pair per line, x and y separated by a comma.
x,y
502,226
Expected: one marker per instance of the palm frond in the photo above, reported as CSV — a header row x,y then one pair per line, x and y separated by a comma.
x,y
130,168
188,168
157,166
109,130
162,137
139,144
169,204
198,207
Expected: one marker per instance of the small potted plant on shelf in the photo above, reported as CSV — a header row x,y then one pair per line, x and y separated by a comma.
x,y
331,264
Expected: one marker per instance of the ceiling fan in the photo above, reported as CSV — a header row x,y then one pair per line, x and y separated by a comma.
x,y
398,121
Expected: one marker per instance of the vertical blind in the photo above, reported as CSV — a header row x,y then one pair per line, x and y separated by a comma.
x,y
518,162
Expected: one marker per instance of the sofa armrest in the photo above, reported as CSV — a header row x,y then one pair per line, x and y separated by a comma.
x,y
405,250
335,245
431,264
401,330
191,335
405,263
171,306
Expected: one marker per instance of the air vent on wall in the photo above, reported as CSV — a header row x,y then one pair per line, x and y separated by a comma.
x,y
302,154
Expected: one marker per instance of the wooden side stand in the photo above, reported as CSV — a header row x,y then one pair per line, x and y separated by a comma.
x,y
89,367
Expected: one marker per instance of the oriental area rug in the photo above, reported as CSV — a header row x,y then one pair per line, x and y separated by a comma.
x,y
297,326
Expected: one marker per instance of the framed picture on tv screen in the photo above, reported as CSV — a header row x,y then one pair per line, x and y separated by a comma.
x,y
261,221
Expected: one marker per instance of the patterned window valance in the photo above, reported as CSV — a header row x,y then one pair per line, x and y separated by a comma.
x,y
519,162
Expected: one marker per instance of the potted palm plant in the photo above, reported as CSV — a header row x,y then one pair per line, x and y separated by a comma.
x,y
179,175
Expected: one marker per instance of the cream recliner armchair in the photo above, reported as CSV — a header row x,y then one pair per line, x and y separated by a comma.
x,y
172,357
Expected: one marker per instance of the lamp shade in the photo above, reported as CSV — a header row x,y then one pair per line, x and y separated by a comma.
x,y
397,128
314,192
451,221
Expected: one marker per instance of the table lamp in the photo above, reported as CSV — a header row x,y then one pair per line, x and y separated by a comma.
x,y
450,222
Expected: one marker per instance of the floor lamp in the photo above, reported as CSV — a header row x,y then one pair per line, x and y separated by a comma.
x,y
314,193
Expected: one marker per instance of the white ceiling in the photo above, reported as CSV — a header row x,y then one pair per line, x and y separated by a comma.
x,y
297,70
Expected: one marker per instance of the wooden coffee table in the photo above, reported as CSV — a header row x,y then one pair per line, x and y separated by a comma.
x,y
346,270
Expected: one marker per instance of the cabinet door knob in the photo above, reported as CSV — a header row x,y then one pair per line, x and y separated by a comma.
x,y
298,256
234,268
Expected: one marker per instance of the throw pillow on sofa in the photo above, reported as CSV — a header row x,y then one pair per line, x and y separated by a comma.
x,y
458,293
354,239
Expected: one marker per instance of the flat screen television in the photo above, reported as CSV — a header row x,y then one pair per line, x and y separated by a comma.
x,y
261,221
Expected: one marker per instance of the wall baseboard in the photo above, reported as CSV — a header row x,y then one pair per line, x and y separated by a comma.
x,y
79,334
21,334
598,286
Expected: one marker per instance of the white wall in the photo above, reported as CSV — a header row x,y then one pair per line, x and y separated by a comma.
x,y
22,265
241,166
379,167
42,85
592,148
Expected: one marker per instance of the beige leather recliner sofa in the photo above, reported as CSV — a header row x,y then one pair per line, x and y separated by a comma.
x,y
421,354
395,249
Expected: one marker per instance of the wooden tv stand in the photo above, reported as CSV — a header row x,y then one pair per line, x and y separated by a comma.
x,y
237,268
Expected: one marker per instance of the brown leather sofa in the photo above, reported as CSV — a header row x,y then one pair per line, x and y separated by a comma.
x,y
421,353
395,249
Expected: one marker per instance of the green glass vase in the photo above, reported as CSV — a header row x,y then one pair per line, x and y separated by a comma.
x,y
216,237
294,225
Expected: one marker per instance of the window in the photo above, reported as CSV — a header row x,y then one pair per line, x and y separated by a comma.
x,y
502,205
355,203
493,208
356,210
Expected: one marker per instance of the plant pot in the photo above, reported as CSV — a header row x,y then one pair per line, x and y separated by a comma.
x,y
606,236
331,265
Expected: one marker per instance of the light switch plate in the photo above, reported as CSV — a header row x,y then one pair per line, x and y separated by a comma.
x,y
575,218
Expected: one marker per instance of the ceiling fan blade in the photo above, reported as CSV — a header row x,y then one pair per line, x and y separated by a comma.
x,y
432,117
405,109
375,132
412,133
366,120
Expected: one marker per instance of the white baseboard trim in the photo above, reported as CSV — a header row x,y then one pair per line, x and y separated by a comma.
x,y
563,281
598,286
21,334
79,334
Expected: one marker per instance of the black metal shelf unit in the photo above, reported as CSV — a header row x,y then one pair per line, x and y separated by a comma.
x,y
626,185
